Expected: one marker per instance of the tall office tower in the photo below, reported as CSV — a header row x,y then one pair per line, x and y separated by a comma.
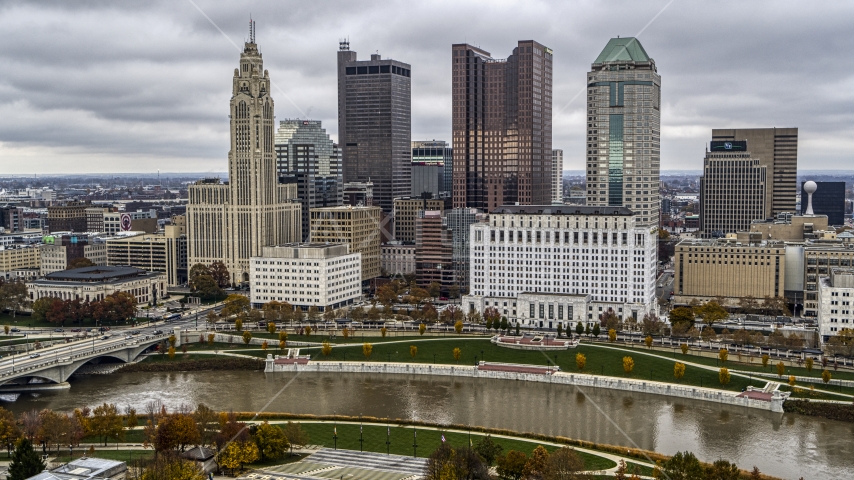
x,y
732,189
557,179
623,129
232,222
777,149
435,153
306,156
828,199
502,126
374,123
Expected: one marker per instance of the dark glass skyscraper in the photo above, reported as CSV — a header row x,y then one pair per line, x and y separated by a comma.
x,y
828,199
374,124
502,126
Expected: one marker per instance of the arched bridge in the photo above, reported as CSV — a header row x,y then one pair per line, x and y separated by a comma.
x,y
57,363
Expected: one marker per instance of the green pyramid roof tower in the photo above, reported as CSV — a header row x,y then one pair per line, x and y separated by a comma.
x,y
625,49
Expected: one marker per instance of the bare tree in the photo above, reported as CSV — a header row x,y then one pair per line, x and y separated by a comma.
x,y
31,423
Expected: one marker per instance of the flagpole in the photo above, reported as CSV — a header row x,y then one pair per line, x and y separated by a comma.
x,y
388,440
414,443
360,434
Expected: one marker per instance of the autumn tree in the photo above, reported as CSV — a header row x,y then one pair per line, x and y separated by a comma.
x,y
175,432
326,349
765,358
196,271
296,435
678,370
219,272
458,327
724,376
457,353
13,297
826,376
247,337
512,465
271,441
612,335
580,360
367,349
564,464
238,453
711,312
171,467
206,423
648,341
9,431
628,365
413,350
682,315
422,328
537,464
609,320
106,423
234,304
781,369
684,348
723,355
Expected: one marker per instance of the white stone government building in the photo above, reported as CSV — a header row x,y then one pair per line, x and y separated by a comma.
x,y
94,283
540,265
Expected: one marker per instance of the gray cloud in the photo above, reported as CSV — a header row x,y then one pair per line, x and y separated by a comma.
x,y
125,87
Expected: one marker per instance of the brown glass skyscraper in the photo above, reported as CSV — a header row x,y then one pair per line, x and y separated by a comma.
x,y
502,126
374,124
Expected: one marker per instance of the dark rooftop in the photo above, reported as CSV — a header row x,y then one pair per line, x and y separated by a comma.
x,y
561,210
95,274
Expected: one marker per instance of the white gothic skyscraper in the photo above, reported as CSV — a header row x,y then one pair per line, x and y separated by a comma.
x,y
624,130
231,222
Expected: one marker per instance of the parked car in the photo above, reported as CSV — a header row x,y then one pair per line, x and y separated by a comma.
x,y
75,330
58,330
36,355
15,329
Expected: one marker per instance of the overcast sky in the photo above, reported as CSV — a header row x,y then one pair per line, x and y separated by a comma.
x,y
136,86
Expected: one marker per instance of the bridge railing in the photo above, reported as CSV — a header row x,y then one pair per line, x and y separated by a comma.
x,y
61,359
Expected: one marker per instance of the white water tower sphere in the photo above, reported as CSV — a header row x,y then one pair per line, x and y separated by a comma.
x,y
810,187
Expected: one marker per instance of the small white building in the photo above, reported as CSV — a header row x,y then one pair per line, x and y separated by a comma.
x,y
536,310
598,252
86,468
306,274
835,303
397,258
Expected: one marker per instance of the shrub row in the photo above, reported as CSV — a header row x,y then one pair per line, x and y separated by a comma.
x,y
832,411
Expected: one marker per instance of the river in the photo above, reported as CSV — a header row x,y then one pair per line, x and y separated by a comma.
x,y
788,445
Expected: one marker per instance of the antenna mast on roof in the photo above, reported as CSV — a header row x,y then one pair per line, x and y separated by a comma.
x,y
251,30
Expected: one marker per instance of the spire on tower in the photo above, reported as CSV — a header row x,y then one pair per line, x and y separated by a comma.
x,y
251,30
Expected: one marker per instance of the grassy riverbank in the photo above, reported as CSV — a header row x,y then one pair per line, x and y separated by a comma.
x,y
192,363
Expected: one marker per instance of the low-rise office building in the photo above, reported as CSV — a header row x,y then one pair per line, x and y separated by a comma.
x,y
94,283
835,303
165,253
18,258
706,269
406,210
397,258
599,251
306,275
819,258
60,249
359,227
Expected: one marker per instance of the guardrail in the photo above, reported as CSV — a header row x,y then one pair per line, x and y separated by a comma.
x,y
67,359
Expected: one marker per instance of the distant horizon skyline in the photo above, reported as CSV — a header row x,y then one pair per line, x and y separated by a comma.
x,y
225,173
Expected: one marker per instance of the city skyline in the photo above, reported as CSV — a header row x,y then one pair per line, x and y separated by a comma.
x,y
109,109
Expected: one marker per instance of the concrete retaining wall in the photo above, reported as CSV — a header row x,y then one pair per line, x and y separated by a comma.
x,y
655,388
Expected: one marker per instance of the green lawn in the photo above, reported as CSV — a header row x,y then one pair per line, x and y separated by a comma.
x,y
401,438
600,361
756,366
802,390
